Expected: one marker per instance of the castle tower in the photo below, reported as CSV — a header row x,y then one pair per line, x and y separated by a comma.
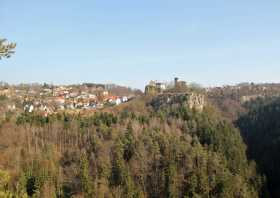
x,y
176,80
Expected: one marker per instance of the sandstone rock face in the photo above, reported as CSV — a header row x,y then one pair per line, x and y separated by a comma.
x,y
191,100
196,101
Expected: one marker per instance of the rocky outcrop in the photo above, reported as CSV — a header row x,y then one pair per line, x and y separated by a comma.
x,y
191,100
196,101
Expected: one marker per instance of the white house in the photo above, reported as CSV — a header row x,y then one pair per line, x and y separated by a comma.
x,y
124,99
118,101
31,108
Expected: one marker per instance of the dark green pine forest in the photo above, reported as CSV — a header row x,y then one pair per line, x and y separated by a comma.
x,y
133,150
261,131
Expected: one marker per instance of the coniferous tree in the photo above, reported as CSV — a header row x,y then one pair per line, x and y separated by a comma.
x,y
6,49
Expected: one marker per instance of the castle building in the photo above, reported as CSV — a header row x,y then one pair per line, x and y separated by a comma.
x,y
154,88
179,84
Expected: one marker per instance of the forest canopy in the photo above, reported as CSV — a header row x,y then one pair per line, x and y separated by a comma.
x,y
130,151
261,131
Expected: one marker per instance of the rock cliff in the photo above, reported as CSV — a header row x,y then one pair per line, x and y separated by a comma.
x,y
191,100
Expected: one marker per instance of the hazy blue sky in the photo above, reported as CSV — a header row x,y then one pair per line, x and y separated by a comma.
x,y
130,42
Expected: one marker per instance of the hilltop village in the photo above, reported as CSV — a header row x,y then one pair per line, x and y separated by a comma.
x,y
49,99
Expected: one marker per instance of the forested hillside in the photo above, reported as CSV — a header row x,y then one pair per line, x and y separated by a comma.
x,y
261,131
132,150
233,100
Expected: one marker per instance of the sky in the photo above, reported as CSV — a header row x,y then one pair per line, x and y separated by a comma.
x,y
130,42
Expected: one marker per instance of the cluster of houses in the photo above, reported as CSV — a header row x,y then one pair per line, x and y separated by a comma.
x,y
48,100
